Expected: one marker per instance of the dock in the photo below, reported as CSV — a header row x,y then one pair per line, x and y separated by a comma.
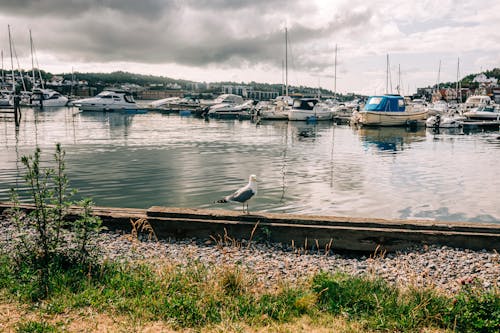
x,y
481,124
343,234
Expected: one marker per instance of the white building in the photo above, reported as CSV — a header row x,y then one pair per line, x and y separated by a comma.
x,y
483,79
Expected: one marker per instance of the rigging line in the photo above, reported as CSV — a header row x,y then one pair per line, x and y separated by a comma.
x,y
38,65
18,64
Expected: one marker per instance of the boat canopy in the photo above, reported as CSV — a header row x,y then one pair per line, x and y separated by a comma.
x,y
304,103
388,103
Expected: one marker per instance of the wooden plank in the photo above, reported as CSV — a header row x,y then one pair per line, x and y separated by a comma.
x,y
304,231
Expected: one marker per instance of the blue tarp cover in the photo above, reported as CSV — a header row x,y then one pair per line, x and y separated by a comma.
x,y
385,103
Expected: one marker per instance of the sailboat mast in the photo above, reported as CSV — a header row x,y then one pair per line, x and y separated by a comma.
x,y
282,77
32,61
286,61
439,75
12,63
459,92
399,79
3,77
387,76
335,74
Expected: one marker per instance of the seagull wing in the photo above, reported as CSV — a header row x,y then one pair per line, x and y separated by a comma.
x,y
242,195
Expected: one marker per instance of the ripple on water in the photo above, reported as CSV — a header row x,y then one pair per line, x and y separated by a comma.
x,y
157,159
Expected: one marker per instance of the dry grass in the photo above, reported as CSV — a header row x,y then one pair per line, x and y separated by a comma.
x,y
87,320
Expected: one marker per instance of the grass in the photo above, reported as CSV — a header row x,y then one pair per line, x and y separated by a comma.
x,y
206,298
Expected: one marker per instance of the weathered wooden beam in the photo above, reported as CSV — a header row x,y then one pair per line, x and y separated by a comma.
x,y
304,231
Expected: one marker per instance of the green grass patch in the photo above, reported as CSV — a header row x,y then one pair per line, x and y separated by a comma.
x,y
381,306
36,327
195,296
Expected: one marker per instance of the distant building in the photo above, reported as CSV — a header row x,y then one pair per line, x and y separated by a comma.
x,y
159,94
262,95
237,90
484,80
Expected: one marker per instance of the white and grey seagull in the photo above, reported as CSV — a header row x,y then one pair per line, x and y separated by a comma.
x,y
244,194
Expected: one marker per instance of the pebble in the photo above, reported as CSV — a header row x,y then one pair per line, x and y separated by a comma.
x,y
440,267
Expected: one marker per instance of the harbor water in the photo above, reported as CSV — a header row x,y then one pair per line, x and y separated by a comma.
x,y
146,159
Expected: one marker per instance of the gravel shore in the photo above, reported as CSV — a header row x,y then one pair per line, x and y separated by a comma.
x,y
428,266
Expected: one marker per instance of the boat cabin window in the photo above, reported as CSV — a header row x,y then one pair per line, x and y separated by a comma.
x,y
304,104
129,98
105,96
375,100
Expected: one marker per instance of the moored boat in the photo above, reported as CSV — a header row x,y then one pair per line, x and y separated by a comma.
x,y
388,110
484,112
47,98
108,100
225,110
309,109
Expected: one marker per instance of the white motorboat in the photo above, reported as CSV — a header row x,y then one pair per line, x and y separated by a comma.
x,y
438,107
484,112
448,120
475,101
108,100
418,104
47,98
388,110
309,109
176,103
278,110
226,110
223,99
5,99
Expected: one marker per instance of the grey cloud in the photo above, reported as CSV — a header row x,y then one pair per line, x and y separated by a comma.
x,y
106,31
73,8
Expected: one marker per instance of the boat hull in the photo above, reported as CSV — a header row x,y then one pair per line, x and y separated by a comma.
x,y
300,115
474,115
380,118
107,107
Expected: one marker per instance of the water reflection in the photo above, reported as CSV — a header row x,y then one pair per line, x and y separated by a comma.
x,y
390,138
141,160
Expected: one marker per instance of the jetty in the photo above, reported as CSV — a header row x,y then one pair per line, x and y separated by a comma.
x,y
302,231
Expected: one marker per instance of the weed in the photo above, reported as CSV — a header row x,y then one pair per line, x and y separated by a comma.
x,y
45,238
142,225
35,327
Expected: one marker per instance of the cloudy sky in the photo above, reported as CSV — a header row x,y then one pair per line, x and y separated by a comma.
x,y
243,40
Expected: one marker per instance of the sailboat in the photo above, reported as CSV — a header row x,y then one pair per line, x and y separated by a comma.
x,y
313,109
44,97
278,110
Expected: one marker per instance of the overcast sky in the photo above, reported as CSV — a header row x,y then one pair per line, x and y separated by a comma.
x,y
243,40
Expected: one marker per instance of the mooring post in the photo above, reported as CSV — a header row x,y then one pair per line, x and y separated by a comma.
x,y
17,110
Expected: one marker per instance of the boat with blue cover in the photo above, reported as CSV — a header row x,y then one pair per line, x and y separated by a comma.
x,y
388,110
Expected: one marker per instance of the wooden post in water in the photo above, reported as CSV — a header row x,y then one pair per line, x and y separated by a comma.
x,y
17,109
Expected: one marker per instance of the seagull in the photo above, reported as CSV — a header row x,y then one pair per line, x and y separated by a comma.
x,y
243,194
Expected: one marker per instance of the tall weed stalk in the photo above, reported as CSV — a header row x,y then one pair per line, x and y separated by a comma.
x,y
46,238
